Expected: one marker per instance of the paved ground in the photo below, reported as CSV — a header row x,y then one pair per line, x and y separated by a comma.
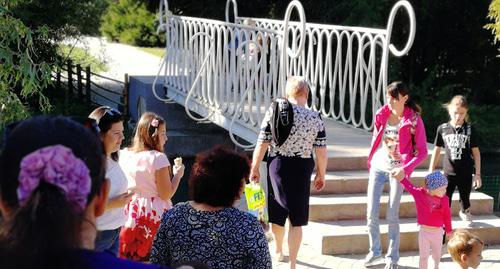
x,y
310,257
120,59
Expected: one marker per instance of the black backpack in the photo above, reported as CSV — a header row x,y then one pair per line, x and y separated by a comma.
x,y
281,120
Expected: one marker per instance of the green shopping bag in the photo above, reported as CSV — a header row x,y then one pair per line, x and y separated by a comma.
x,y
254,195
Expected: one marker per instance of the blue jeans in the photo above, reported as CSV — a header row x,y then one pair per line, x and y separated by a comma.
x,y
108,240
376,182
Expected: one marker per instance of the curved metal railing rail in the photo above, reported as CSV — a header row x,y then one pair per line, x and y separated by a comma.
x,y
233,71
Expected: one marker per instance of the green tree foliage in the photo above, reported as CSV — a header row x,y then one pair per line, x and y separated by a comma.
x,y
20,75
494,15
30,31
130,22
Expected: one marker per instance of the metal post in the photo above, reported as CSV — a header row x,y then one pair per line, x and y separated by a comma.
x,y
126,87
87,84
70,77
79,81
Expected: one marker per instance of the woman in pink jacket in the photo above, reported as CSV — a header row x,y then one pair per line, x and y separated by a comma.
x,y
398,146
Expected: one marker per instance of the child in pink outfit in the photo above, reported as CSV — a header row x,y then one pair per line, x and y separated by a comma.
x,y
148,173
433,212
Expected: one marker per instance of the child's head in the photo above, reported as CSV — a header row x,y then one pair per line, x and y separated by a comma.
x,y
151,133
296,86
465,248
436,183
110,122
457,109
398,97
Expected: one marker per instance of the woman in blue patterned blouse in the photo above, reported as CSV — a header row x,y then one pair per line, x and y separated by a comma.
x,y
208,229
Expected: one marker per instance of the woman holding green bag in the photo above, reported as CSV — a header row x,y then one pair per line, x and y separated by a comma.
x,y
290,165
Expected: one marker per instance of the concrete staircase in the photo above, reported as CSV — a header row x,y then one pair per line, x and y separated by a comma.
x,y
337,214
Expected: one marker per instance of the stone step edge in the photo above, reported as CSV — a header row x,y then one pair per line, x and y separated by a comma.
x,y
358,227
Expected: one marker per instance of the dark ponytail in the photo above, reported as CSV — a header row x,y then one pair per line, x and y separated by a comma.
x,y
396,88
45,229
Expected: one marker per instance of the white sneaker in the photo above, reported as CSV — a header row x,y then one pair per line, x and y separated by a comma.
x,y
391,266
466,216
371,260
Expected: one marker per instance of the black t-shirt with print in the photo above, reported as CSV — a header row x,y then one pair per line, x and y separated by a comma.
x,y
457,143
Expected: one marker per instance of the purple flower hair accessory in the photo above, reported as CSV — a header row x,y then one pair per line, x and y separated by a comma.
x,y
56,165
155,123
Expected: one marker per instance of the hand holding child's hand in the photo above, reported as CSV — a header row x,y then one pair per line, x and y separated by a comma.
x,y
319,182
398,173
477,182
178,167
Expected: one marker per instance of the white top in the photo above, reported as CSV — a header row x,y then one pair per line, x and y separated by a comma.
x,y
114,218
388,156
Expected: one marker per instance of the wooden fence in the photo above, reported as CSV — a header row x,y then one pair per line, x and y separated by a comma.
x,y
79,84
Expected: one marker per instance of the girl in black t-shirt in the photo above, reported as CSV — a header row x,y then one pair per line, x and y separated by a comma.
x,y
462,160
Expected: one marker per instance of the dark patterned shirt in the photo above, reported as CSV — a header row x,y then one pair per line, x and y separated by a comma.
x,y
223,239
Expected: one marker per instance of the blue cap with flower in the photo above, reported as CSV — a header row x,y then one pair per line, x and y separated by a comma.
x,y
435,180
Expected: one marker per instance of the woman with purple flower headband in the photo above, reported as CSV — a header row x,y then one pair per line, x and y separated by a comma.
x,y
147,169
52,189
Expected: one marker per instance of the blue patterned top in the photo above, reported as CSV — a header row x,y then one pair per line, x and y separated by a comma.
x,y
225,239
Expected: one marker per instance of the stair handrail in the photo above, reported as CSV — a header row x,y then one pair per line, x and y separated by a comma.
x,y
198,75
163,27
235,9
286,51
239,53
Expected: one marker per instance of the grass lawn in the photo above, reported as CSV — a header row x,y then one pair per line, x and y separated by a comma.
x,y
83,57
159,52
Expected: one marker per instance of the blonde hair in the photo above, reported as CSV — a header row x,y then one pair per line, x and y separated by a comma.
x,y
458,100
146,135
296,86
462,242
249,22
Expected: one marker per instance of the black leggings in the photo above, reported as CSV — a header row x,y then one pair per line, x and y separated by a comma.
x,y
464,184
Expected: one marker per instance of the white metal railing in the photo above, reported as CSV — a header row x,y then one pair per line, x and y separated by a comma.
x,y
230,72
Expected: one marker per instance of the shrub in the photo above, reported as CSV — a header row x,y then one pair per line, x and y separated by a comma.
x,y
130,22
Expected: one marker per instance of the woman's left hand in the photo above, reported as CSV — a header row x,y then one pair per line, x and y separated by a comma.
x,y
319,182
398,173
477,182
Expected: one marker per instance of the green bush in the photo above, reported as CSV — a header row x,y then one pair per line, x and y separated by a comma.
x,y
83,57
130,22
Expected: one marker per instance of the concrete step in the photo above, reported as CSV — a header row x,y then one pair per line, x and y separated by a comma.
x,y
356,181
353,206
346,162
351,237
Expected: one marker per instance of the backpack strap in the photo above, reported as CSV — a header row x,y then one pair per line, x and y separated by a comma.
x,y
281,120
414,120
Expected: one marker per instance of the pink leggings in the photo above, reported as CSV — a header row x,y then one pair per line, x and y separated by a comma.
x,y
429,242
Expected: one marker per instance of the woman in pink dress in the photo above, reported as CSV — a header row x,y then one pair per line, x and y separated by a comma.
x,y
148,174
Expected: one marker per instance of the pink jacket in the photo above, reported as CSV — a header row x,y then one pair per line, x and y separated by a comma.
x,y
431,211
410,161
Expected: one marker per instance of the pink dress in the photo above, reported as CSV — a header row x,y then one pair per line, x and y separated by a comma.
x,y
146,207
